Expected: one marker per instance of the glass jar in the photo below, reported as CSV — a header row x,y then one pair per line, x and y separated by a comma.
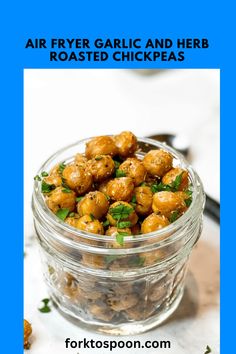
x,y
112,289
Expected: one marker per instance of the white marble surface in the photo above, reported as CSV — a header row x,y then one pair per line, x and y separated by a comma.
x,y
62,106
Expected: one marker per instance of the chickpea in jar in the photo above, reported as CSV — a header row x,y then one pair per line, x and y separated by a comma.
x,y
94,203
154,222
166,203
134,169
122,213
100,145
60,198
77,178
126,143
171,176
89,224
143,200
120,188
27,333
101,167
158,162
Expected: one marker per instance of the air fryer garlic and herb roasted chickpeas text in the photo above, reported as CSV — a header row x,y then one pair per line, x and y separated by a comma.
x,y
110,191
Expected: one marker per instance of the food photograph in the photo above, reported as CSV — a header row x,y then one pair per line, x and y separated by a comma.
x,y
121,211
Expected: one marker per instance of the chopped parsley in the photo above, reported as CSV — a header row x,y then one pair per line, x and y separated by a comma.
x,y
136,261
110,259
120,173
92,216
188,201
117,164
106,223
208,350
120,237
78,199
45,308
66,190
123,224
37,178
97,158
121,212
174,216
44,174
61,167
173,187
62,213
47,188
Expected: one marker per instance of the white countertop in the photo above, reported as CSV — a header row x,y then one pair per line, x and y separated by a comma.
x,y
62,106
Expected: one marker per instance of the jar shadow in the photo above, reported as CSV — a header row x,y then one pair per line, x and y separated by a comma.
x,y
202,283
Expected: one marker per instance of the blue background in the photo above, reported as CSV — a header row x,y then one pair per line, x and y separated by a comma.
x,y
92,19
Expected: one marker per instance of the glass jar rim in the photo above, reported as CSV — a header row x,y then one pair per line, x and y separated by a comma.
x,y
197,205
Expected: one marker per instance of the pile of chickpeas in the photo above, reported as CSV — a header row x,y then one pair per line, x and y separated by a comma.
x,y
109,191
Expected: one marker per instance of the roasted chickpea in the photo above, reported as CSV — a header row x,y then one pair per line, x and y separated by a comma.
x,y
154,222
101,167
77,178
121,211
135,169
103,186
171,175
101,313
89,224
100,145
55,171
58,199
157,162
53,179
27,333
126,143
143,196
80,159
73,220
166,203
94,203
123,302
120,188
113,231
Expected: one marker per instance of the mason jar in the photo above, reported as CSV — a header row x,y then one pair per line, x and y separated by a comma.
x,y
112,289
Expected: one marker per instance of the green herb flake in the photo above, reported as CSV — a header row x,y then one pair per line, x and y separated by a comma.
x,y
208,350
66,190
188,202
61,167
134,199
92,217
107,196
37,178
120,173
62,213
44,174
121,212
117,164
45,308
120,238
110,259
97,158
106,223
78,199
174,216
136,261
47,188
176,183
123,224
143,184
